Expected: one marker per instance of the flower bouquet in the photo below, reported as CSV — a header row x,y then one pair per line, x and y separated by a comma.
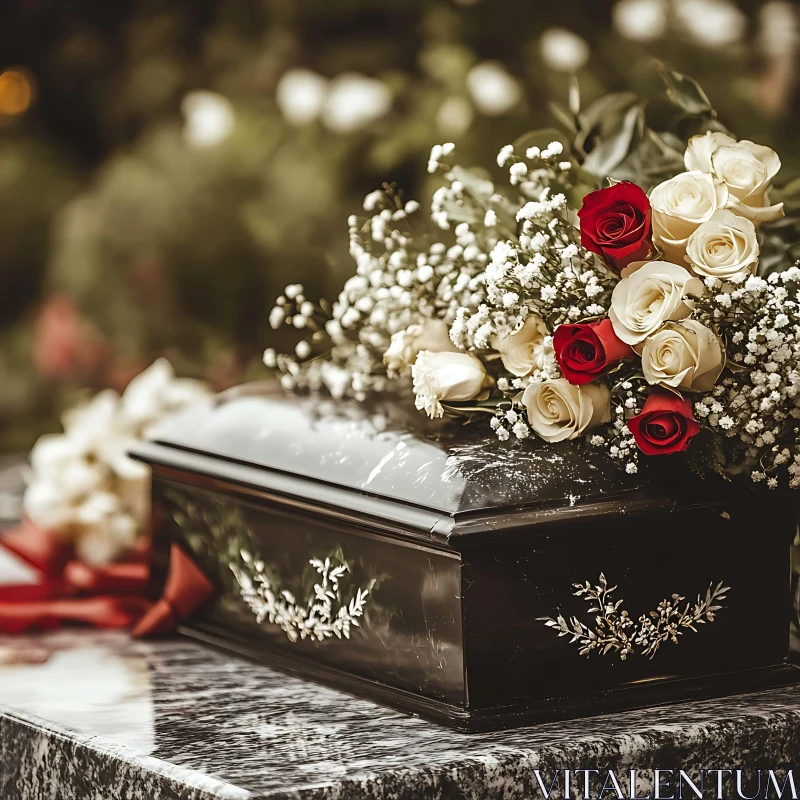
x,y
570,302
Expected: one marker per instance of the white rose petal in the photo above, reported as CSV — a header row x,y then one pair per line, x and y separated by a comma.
x,y
725,247
557,410
446,376
680,205
683,355
648,297
745,169
432,334
526,349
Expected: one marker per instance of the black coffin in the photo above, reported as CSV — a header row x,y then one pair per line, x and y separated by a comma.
x,y
432,567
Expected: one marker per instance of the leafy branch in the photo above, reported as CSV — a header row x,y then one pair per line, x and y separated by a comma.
x,y
325,613
616,631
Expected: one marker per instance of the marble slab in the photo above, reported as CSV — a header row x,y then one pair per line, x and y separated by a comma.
x,y
97,715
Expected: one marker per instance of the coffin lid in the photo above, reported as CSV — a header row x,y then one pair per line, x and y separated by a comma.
x,y
391,451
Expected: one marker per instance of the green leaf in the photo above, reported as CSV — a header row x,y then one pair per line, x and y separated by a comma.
x,y
611,150
604,116
685,93
563,116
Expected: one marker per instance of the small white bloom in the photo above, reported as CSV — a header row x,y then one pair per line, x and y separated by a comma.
x,y
270,358
521,430
505,153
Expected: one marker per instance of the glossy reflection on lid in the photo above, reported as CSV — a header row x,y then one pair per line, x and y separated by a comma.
x,y
393,451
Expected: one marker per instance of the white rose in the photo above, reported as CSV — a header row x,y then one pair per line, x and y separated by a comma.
x,y
526,349
432,334
446,376
725,247
680,205
746,169
557,410
648,297
684,355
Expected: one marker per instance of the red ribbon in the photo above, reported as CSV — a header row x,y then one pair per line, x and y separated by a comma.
x,y
185,590
104,597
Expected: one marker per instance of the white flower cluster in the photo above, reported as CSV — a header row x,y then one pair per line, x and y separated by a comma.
x,y
403,278
638,322
83,484
756,408
628,399
543,271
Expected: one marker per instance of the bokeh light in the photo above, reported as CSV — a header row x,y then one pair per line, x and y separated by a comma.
x,y
16,92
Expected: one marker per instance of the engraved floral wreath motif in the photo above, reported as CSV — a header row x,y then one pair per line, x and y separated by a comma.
x,y
616,631
325,613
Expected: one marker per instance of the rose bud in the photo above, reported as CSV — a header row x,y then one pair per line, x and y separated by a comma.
x,y
665,425
616,224
584,350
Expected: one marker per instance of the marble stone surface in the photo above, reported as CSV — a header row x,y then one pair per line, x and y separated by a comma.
x,y
97,715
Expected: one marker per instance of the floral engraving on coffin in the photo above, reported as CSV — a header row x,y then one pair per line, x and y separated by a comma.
x,y
324,614
615,630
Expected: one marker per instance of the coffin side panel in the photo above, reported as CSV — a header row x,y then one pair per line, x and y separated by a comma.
x,y
408,634
512,656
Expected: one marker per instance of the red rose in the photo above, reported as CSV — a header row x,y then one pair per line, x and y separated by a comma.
x,y
616,224
665,425
584,350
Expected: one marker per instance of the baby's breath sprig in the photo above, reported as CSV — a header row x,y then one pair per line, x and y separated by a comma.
x,y
755,409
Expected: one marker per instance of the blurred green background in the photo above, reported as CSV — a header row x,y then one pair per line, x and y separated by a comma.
x,y
167,166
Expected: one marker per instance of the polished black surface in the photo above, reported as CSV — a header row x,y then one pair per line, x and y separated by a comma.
x,y
453,627
409,636
393,451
